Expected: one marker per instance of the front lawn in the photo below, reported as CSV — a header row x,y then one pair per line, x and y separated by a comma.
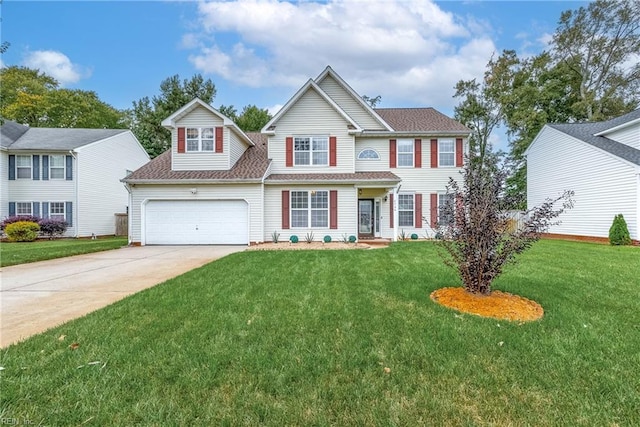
x,y
344,338
24,252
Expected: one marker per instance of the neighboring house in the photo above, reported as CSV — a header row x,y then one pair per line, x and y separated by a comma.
x,y
600,162
71,174
326,164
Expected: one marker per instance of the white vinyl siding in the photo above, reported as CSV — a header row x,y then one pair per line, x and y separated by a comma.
x,y
312,115
404,150
350,106
629,135
237,146
251,193
4,184
604,186
198,160
446,152
100,167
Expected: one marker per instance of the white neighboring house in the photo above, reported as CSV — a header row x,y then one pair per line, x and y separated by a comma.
x,y
72,174
327,164
600,162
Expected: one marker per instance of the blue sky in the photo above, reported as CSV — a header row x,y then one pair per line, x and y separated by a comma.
x,y
411,52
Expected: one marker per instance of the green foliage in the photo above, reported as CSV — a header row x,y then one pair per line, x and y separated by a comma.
x,y
353,239
327,239
294,239
275,237
414,236
252,118
22,231
619,232
309,237
146,116
33,98
403,235
372,101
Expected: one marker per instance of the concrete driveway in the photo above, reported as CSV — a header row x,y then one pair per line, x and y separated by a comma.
x,y
38,296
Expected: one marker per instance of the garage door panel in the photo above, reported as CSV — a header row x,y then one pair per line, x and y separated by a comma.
x,y
196,222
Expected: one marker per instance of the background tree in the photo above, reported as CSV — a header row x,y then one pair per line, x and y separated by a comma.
x,y
372,101
146,116
30,97
476,229
252,118
229,111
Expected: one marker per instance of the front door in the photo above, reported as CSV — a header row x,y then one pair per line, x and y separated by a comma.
x,y
365,218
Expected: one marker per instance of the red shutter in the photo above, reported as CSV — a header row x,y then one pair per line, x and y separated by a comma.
x,y
391,210
219,139
289,151
285,209
332,150
392,153
434,209
459,152
333,209
418,210
434,153
417,153
180,140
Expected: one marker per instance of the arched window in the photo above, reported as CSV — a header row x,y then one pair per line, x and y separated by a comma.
x,y
368,154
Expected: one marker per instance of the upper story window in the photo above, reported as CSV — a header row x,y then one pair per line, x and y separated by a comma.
x,y
368,154
309,209
446,152
405,152
24,208
311,150
56,167
56,210
23,167
405,210
199,139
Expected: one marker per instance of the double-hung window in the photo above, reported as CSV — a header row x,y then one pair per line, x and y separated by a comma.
x,y
309,209
406,210
311,150
445,209
56,210
446,152
199,139
23,167
56,167
405,152
24,208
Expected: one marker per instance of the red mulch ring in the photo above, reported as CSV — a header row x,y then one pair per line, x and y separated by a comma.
x,y
497,305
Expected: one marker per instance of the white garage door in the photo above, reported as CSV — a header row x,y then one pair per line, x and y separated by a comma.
x,y
196,222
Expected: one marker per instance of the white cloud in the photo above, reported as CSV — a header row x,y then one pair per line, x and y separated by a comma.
x,y
407,51
273,110
56,64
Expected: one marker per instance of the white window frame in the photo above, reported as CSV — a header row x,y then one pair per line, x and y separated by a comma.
x,y
441,202
361,155
452,153
312,151
52,167
401,209
405,154
18,167
200,140
310,208
57,214
21,205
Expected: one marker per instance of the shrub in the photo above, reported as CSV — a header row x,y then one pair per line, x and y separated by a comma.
x,y
52,227
352,239
293,239
308,237
619,232
22,231
275,236
327,239
15,218
345,238
414,236
402,235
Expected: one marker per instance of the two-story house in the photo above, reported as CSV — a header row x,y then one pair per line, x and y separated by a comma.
x,y
600,162
70,174
327,163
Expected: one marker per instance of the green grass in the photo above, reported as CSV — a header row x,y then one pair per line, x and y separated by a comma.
x,y
25,252
302,338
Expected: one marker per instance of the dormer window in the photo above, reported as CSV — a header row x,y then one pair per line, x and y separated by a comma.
x,y
199,139
368,154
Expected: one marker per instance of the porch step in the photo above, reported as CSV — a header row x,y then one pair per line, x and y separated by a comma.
x,y
375,241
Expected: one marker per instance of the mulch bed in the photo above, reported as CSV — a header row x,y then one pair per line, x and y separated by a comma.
x,y
497,305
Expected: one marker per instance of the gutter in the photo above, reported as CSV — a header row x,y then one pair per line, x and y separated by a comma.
x,y
75,204
133,182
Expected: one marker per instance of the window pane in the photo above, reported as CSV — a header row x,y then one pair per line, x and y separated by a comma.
x,y
368,154
302,158
319,218
301,144
56,208
319,200
405,146
405,159
320,144
405,201
23,161
23,208
299,218
299,200
320,158
56,161
207,133
405,219
447,159
192,133
207,145
24,173
446,145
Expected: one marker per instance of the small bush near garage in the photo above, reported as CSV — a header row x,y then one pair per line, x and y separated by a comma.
x,y
619,232
52,227
22,231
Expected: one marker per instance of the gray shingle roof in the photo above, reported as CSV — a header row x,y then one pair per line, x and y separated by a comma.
x,y
251,166
62,139
357,177
10,132
420,119
586,132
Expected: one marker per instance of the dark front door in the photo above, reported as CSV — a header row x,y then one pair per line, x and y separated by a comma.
x,y
365,217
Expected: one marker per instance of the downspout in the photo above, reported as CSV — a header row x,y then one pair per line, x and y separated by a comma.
x,y
638,204
129,212
75,203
